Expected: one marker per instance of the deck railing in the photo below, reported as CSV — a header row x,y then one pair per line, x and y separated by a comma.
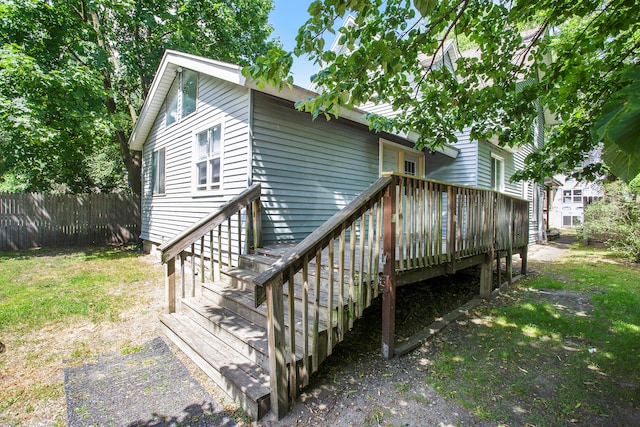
x,y
212,243
331,276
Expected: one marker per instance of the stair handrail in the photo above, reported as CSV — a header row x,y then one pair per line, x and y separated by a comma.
x,y
171,248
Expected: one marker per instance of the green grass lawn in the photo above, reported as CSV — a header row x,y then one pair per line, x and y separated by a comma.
x,y
66,306
562,347
45,285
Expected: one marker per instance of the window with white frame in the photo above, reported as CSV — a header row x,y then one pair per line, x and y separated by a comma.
x,y
182,97
410,167
158,172
572,196
497,173
208,154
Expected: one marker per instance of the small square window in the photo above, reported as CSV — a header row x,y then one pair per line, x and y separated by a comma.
x,y
410,167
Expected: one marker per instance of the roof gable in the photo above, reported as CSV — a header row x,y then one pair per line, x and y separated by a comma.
x,y
171,62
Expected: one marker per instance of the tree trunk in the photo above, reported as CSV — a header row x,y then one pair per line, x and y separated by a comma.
x,y
132,159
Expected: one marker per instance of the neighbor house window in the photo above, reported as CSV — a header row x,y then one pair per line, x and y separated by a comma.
x,y
208,158
182,97
157,172
572,196
497,173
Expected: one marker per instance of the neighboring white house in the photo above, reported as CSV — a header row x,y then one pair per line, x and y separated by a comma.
x,y
570,201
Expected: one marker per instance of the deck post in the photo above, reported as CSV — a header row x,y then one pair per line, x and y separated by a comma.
x,y
509,266
486,275
452,224
257,223
171,285
276,340
523,256
388,278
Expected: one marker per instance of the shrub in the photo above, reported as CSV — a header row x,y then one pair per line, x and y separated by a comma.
x,y
615,219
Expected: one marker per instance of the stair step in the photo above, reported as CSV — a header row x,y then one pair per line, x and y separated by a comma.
x,y
241,304
232,372
245,337
238,301
256,262
242,279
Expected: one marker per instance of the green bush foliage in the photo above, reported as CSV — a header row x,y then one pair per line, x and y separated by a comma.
x,y
615,219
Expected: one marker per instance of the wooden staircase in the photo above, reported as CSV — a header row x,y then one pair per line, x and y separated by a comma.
x,y
259,321
226,336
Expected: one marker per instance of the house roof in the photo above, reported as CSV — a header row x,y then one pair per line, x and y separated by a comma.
x,y
173,61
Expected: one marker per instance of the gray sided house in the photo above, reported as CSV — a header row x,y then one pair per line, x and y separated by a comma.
x,y
206,134
277,231
482,163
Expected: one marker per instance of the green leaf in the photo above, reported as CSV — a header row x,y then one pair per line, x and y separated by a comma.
x,y
425,6
622,164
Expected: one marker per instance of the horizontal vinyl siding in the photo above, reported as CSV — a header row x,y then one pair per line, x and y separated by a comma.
x,y
485,150
308,169
461,170
218,102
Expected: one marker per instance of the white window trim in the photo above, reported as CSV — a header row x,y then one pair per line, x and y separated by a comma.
x,y
401,149
194,159
501,185
154,169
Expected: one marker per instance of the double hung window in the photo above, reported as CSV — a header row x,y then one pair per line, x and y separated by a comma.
x,y
208,158
157,172
497,173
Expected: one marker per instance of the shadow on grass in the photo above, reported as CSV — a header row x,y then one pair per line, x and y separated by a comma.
x,y
114,252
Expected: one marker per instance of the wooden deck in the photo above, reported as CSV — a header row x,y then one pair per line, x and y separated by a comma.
x,y
400,231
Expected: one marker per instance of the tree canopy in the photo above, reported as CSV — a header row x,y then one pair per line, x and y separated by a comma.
x,y
73,73
579,61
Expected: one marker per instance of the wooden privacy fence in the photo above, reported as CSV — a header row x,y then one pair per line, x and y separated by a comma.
x,y
46,220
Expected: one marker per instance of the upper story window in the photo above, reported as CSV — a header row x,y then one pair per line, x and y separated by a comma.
x,y
572,196
497,173
208,153
182,98
158,172
399,158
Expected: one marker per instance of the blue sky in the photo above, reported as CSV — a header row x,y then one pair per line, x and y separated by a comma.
x,y
286,18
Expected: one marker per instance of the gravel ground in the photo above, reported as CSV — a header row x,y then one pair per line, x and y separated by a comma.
x,y
149,387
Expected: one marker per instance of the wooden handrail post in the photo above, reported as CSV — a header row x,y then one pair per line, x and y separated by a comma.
x,y
257,223
276,340
510,244
171,285
388,278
